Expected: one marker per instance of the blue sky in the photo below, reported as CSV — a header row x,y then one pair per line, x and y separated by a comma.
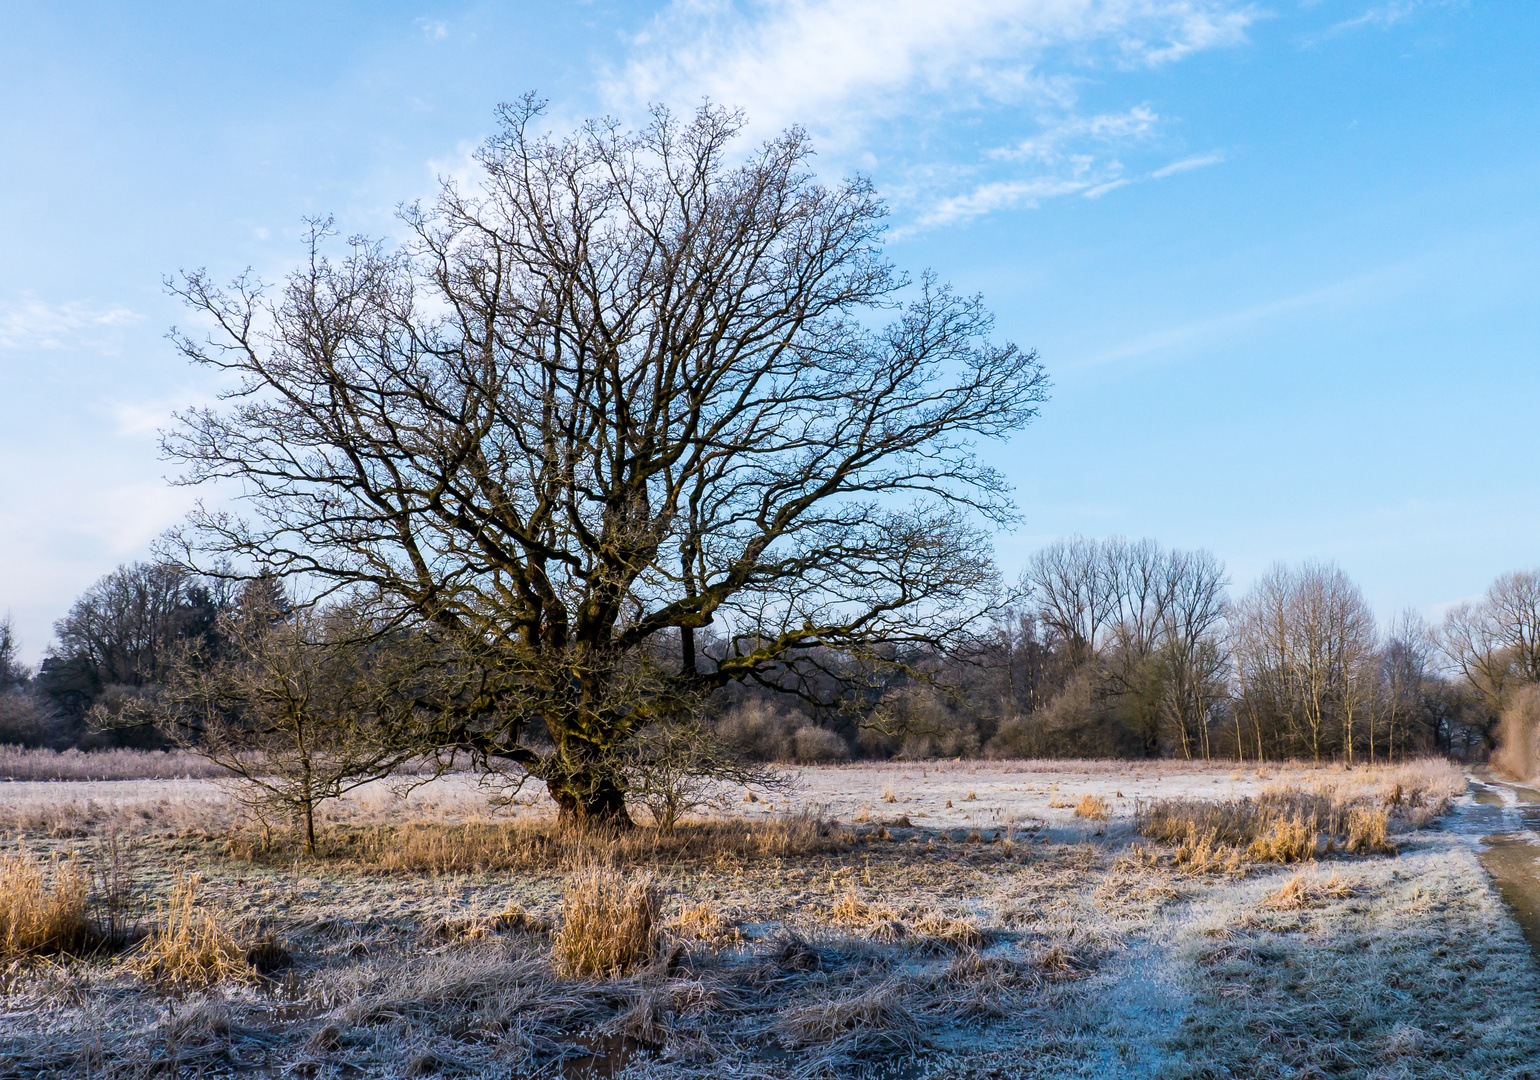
x,y
1282,260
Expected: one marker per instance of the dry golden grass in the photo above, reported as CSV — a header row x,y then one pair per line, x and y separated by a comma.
x,y
502,846
702,922
513,919
609,925
940,932
1306,890
857,1023
191,949
1093,807
1287,840
38,915
889,795
853,911
1366,831
1203,852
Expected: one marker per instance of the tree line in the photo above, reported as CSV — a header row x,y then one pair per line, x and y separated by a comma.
x,y
1111,648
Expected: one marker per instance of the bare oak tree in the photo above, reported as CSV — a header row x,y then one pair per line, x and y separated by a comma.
x,y
631,387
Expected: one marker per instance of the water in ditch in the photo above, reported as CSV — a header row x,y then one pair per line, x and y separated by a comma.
x,y
1505,818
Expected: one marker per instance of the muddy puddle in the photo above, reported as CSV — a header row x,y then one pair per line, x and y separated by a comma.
x,y
1506,818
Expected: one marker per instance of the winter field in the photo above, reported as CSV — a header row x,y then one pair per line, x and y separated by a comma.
x,y
917,919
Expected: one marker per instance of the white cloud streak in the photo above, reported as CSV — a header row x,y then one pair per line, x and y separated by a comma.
x,y
28,323
840,63
897,85
1186,165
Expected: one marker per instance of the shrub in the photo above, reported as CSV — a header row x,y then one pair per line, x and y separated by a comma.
x,y
608,925
759,730
817,745
1518,735
37,916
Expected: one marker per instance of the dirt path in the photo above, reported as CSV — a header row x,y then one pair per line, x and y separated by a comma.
x,y
1504,817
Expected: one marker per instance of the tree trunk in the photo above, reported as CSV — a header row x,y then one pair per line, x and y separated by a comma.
x,y
310,828
588,801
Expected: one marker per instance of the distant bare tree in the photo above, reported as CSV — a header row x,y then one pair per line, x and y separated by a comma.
x,y
1193,658
1303,643
630,388
1495,643
1144,623
13,673
1069,582
1406,668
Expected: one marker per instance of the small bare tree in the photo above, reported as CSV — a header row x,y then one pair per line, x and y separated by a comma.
x,y
676,767
287,704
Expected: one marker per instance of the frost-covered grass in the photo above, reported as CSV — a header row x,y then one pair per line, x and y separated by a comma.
x,y
1005,937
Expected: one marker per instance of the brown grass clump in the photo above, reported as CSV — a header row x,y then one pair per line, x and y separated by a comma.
x,y
1287,841
608,926
702,922
857,1024
1366,831
1304,890
852,910
190,949
513,919
39,917
1206,853
940,932
1057,962
880,923
1093,807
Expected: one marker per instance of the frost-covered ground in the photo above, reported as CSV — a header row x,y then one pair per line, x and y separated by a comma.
x,y
1000,936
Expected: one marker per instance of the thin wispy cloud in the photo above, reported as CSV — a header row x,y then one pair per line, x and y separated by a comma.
x,y
1187,165
894,86
1135,123
986,198
27,322
1101,189
1375,17
841,62
1359,292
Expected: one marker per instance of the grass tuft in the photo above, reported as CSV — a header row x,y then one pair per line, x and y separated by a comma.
x,y
609,925
1093,807
39,916
702,922
1305,890
1288,840
1366,832
856,1024
191,950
